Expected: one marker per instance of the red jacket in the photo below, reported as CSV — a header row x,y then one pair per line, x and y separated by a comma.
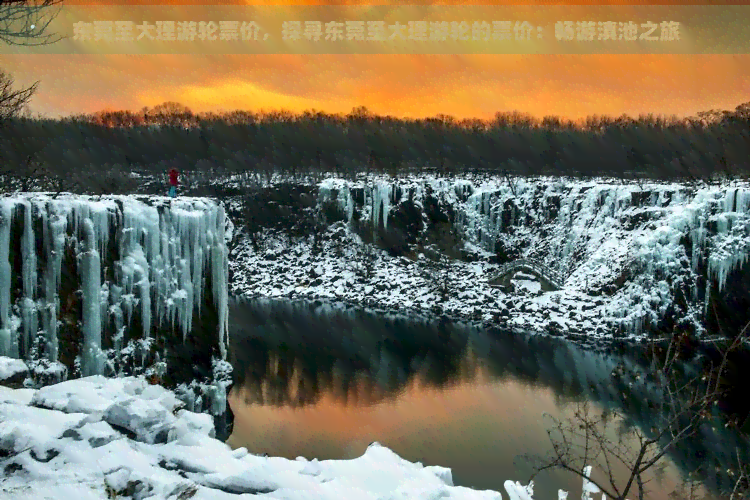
x,y
173,177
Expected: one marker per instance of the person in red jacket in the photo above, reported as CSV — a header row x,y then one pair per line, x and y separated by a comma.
x,y
173,182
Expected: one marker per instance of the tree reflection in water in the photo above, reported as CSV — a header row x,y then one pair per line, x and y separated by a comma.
x,y
294,355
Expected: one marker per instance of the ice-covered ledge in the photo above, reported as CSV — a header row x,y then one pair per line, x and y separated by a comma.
x,y
113,285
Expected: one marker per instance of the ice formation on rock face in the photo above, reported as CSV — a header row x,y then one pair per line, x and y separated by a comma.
x,y
53,226
345,200
157,262
592,232
28,275
732,242
381,203
343,196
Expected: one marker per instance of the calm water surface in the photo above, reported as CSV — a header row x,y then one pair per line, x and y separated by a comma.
x,y
325,384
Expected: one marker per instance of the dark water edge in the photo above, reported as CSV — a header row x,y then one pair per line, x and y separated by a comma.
x,y
330,349
598,343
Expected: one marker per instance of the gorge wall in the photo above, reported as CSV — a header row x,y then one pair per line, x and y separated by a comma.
x,y
648,256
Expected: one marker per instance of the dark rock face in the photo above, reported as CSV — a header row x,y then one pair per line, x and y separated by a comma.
x,y
224,422
405,224
288,207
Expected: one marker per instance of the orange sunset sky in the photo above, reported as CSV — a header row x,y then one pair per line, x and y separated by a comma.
x,y
411,85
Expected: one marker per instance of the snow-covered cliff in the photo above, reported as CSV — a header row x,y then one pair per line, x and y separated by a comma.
x,y
633,257
113,285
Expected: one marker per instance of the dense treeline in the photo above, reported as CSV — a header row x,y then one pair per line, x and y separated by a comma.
x,y
170,135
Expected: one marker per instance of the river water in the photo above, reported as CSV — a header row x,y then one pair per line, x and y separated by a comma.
x,y
320,382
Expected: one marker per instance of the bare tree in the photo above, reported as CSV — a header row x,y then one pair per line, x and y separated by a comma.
x,y
22,22
25,22
13,101
741,486
441,280
31,172
22,177
435,271
585,439
506,174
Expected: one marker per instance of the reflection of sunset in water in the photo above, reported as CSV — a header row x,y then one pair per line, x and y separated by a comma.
x,y
477,425
354,421
292,387
324,384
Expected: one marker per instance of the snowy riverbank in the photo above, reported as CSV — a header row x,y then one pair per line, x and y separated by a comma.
x,y
292,270
97,437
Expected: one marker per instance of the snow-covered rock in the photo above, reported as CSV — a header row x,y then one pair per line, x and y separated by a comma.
x,y
12,371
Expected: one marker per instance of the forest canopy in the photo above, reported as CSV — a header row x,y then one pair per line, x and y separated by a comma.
x,y
713,143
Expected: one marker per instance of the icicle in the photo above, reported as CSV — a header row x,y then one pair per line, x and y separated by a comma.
x,y
92,327
115,295
346,202
6,217
199,262
144,286
381,199
729,200
29,278
376,204
186,287
54,241
743,201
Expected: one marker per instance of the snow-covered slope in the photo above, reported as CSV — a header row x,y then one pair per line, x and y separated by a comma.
x,y
630,254
101,285
97,438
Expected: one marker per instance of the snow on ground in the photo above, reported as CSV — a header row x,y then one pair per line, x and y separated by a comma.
x,y
96,438
291,269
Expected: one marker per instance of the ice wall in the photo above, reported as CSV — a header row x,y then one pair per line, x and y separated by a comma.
x,y
639,245
154,256
377,199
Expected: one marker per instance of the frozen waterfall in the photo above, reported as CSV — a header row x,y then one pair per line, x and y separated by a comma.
x,y
153,256
641,246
